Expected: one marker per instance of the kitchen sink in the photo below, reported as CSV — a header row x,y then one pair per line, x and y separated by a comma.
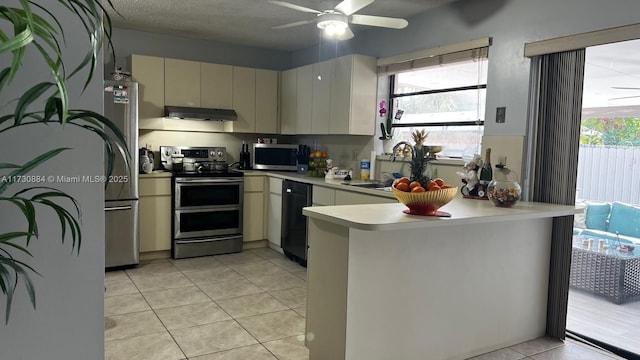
x,y
368,185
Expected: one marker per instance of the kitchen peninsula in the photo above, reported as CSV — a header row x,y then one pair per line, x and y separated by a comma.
x,y
386,285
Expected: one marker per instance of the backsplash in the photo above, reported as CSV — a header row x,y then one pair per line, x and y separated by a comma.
x,y
346,151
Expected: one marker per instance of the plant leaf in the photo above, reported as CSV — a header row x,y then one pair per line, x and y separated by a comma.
x,y
30,166
28,98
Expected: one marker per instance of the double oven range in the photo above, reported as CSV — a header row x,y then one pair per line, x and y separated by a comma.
x,y
206,204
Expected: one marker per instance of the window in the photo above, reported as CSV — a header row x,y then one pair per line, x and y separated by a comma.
x,y
444,94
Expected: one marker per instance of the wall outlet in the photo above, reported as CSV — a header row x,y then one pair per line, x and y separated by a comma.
x,y
354,155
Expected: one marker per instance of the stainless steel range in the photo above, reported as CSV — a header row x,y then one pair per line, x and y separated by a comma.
x,y
207,207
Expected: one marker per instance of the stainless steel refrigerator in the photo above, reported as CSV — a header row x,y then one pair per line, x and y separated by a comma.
x,y
122,242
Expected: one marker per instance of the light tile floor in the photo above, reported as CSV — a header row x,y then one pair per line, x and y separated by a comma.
x,y
244,306
249,305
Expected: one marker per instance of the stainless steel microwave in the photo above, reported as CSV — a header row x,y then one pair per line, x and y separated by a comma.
x,y
275,157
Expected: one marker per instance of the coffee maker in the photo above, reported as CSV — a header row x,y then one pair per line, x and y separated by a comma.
x,y
146,160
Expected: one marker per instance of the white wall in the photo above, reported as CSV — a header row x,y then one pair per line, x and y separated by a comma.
x,y
127,42
69,320
511,24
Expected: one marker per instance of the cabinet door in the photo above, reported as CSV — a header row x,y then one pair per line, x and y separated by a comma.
x,y
244,99
155,223
266,101
353,95
181,82
148,71
274,212
363,104
253,212
341,96
353,198
216,84
304,84
274,219
288,102
321,90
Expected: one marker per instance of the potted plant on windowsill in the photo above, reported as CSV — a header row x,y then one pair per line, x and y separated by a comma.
x,y
386,130
36,29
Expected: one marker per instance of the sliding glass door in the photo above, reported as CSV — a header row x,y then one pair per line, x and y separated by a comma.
x,y
604,294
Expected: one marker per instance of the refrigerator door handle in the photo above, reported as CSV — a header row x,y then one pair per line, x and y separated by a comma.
x,y
118,208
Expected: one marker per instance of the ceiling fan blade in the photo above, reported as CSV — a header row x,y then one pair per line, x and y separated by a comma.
x,y
625,97
625,88
297,23
380,21
349,7
295,7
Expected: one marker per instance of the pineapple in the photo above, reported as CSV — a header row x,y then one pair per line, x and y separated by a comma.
x,y
420,157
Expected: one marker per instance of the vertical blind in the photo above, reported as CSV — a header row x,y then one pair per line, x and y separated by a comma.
x,y
554,166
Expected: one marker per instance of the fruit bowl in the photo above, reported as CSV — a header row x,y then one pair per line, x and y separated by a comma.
x,y
425,203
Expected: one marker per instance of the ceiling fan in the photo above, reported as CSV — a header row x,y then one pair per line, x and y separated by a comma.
x,y
335,21
624,88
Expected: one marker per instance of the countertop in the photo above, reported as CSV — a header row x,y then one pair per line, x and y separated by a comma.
x,y
290,175
463,212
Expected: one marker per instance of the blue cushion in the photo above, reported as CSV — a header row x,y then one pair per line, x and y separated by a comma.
x,y
597,216
625,219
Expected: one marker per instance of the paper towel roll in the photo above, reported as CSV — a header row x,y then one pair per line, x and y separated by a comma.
x,y
372,172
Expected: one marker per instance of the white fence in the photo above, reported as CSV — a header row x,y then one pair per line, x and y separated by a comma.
x,y
609,173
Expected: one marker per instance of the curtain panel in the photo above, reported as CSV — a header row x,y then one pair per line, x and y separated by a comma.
x,y
555,142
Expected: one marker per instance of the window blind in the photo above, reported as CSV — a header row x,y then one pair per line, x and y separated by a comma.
x,y
470,50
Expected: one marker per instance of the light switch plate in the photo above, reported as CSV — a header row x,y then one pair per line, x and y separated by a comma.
x,y
501,114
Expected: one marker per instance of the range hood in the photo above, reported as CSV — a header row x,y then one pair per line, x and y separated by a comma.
x,y
181,112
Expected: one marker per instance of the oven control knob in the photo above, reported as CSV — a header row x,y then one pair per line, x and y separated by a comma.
x,y
220,154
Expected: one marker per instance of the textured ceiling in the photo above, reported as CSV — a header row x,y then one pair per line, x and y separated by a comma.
x,y
246,22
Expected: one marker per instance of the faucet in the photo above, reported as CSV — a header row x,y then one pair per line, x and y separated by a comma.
x,y
395,147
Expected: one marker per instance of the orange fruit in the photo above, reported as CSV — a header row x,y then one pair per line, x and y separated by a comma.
x,y
404,180
433,186
417,189
402,186
414,184
439,181
446,186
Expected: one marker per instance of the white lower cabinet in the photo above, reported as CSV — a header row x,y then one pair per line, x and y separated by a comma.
x,y
253,225
323,196
274,212
155,214
354,198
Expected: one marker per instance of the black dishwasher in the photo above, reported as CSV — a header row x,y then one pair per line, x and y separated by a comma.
x,y
295,196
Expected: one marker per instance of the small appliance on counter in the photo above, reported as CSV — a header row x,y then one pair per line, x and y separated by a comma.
x,y
146,160
279,157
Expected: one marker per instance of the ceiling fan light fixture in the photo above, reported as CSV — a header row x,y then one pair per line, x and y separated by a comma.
x,y
333,24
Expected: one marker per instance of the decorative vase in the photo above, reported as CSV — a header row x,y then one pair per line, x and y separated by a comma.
x,y
387,146
504,190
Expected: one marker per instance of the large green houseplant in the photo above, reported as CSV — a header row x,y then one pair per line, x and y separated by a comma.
x,y
35,28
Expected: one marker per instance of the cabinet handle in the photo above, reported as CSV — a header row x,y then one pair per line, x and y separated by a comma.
x,y
118,208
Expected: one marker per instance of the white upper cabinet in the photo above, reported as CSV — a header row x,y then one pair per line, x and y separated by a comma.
x,y
244,99
148,71
321,90
216,84
353,95
337,96
181,83
288,102
304,88
266,101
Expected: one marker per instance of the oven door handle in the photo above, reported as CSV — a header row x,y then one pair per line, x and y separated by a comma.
x,y
207,240
207,180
